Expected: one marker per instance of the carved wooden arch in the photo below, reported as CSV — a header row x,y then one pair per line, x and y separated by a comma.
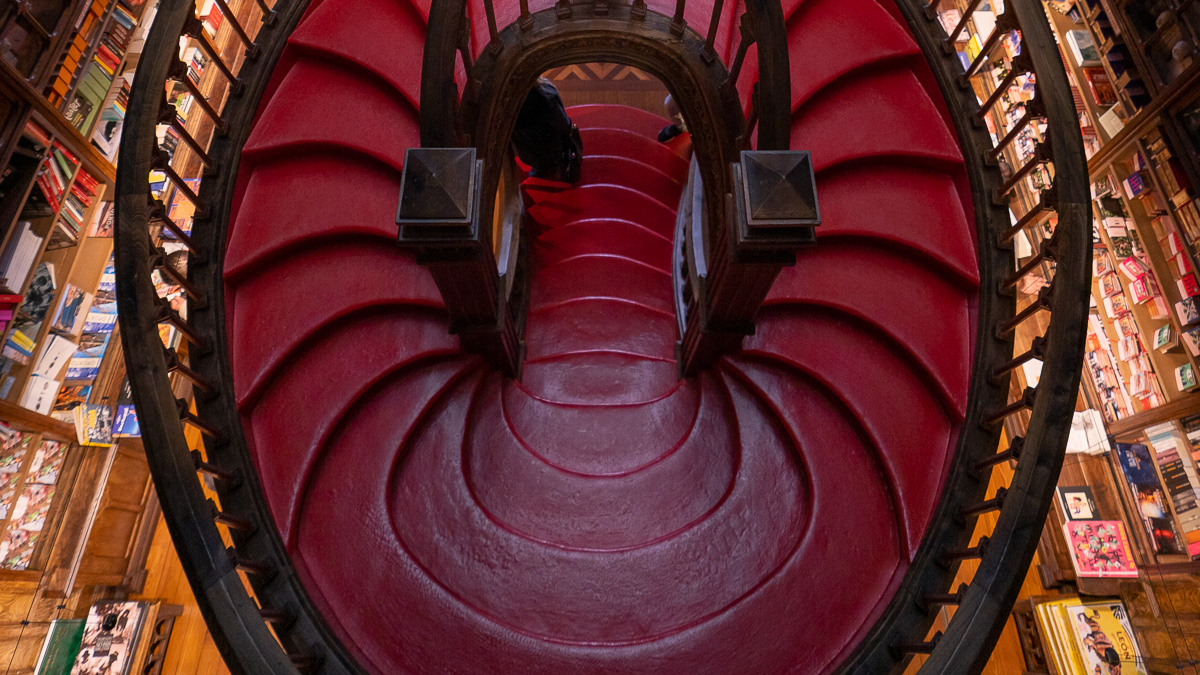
x,y
506,69
713,113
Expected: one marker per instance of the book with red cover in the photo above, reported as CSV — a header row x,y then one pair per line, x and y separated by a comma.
x,y
1099,548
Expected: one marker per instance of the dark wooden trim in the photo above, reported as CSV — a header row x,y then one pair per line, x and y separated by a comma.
x,y
1185,405
57,125
27,420
1183,90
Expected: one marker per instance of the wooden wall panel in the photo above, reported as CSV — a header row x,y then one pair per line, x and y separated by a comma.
x,y
191,650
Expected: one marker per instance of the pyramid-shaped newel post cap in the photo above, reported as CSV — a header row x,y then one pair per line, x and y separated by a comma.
x,y
775,196
439,196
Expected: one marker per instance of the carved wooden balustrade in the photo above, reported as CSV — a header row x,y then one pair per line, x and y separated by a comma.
x,y
245,583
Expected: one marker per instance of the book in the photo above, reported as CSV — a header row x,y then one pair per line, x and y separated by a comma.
x,y
1188,286
1110,285
1165,338
39,394
1133,268
1188,311
103,223
1191,340
19,347
1115,306
1185,377
93,424
1076,503
85,362
70,397
1104,636
72,309
99,321
1083,48
1100,86
1099,548
54,356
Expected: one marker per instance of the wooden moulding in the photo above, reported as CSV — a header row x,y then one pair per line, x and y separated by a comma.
x,y
58,126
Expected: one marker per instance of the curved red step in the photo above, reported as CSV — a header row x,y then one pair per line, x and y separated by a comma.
x,y
600,516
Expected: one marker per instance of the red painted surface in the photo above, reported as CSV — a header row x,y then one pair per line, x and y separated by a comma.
x,y
600,516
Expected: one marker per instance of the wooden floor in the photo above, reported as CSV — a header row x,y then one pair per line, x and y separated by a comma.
x,y
191,650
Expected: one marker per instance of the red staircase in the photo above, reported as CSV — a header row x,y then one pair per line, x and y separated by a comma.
x,y
600,515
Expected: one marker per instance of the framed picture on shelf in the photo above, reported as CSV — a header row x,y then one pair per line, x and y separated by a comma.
x,y
1077,502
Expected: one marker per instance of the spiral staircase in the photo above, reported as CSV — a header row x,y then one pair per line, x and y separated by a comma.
x,y
614,427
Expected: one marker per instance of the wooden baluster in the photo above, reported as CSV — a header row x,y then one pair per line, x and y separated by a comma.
x,y
178,72
707,53
194,28
677,22
237,26
601,7
638,9
747,35
493,34
526,20
168,115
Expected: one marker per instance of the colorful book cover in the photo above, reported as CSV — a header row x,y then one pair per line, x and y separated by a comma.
x,y
85,362
126,422
72,307
1099,548
93,425
110,638
1138,467
70,397
1104,637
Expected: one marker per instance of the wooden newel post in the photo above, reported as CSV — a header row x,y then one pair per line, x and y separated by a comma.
x,y
439,218
770,214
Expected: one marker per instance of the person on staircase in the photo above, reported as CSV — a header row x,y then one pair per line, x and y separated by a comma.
x,y
545,138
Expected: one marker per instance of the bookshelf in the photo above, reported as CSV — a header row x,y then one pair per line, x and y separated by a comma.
x,y
62,105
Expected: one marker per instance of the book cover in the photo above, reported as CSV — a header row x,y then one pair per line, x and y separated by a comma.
x,y
85,362
54,356
126,422
99,321
1110,285
40,295
93,424
71,397
72,308
1185,377
1191,339
1104,637
39,394
1164,338
103,223
1077,503
1083,48
1099,548
1188,286
110,638
1132,268
1147,492
1188,311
